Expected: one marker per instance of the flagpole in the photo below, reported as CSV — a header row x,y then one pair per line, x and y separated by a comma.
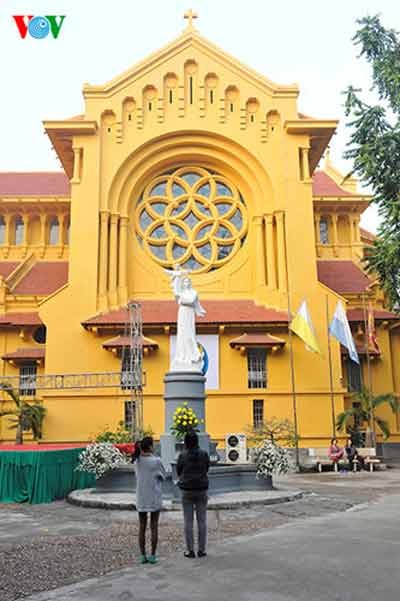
x,y
291,357
330,370
367,339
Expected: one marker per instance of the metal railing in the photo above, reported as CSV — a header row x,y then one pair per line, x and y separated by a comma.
x,y
112,379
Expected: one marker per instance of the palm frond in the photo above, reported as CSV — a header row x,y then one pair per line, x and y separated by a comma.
x,y
390,399
13,394
384,426
344,417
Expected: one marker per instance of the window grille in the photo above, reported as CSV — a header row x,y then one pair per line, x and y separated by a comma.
x,y
323,231
354,376
258,413
27,379
127,370
257,368
130,416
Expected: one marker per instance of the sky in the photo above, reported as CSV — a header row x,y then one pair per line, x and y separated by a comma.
x,y
307,42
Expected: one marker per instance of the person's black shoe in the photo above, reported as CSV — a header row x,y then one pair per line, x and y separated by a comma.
x,y
201,554
189,554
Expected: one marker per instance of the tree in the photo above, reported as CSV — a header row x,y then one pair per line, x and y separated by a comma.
x,y
364,411
374,147
278,431
25,416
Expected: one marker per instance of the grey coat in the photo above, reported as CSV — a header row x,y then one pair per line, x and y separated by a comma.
x,y
150,473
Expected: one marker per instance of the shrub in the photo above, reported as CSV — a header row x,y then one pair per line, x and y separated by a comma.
x,y
271,459
99,458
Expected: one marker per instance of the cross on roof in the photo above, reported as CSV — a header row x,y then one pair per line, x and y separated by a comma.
x,y
190,15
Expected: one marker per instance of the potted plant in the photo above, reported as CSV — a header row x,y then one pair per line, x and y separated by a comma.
x,y
101,457
271,459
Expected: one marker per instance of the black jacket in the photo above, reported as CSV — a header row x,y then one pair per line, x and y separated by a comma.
x,y
192,468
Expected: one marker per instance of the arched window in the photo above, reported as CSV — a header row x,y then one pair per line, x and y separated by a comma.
x,y
19,230
2,230
54,231
324,231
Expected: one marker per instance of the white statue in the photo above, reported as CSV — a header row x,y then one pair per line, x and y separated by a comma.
x,y
187,354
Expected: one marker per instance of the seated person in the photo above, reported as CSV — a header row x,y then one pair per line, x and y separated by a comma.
x,y
335,453
352,453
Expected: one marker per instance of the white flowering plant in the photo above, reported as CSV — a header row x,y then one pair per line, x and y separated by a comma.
x,y
271,459
100,457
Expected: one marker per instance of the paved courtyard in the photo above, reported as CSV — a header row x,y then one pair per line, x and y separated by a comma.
x,y
341,542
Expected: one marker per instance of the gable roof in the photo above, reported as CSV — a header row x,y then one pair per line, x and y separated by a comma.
x,y
45,277
56,183
191,38
367,236
49,183
344,277
323,185
7,267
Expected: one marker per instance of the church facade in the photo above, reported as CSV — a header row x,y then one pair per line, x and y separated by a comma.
x,y
189,157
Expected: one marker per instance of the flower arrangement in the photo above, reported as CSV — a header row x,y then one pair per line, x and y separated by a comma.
x,y
100,457
185,420
271,459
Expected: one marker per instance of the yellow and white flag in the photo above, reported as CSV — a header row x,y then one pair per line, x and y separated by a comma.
x,y
303,327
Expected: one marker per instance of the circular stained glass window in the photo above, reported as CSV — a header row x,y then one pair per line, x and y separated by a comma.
x,y
191,216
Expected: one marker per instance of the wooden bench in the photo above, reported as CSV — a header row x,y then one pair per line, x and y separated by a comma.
x,y
369,456
321,457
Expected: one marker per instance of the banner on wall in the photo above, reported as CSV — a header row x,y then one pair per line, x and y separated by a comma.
x,y
209,348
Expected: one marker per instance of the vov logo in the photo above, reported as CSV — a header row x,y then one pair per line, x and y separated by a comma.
x,y
39,27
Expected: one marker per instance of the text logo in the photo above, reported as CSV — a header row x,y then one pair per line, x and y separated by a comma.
x,y
39,27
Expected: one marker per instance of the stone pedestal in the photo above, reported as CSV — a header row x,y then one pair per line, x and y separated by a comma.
x,y
181,386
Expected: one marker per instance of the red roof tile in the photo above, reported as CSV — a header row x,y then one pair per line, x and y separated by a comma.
x,y
124,341
20,319
44,278
32,184
57,184
361,350
7,267
218,311
26,353
366,235
343,277
256,340
380,314
323,185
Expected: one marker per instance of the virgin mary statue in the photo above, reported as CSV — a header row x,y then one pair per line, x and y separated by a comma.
x,y
187,355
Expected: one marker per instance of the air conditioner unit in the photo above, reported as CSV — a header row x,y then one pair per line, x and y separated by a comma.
x,y
236,448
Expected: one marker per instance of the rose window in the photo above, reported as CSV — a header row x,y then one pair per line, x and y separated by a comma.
x,y
193,217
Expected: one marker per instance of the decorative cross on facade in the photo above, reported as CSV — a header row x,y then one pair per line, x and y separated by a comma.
x,y
190,15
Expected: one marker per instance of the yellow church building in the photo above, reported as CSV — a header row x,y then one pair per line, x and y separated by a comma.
x,y
189,157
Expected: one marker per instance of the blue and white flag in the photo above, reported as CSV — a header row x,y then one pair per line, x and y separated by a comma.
x,y
340,329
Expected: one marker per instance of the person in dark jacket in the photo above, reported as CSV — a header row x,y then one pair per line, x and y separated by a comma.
x,y
192,469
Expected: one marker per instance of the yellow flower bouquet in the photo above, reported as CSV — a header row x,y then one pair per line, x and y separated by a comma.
x,y
184,420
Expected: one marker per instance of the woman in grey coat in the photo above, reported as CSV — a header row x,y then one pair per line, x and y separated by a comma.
x,y
149,476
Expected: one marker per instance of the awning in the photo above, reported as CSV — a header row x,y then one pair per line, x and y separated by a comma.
x,y
20,319
257,341
361,351
120,342
23,355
